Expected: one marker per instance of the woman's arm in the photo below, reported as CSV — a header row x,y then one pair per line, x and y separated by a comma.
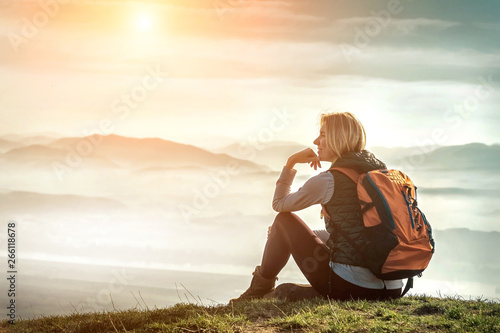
x,y
304,156
318,189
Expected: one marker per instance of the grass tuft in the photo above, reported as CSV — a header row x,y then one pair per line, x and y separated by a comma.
x,y
409,314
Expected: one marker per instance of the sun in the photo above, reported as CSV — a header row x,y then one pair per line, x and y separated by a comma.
x,y
143,22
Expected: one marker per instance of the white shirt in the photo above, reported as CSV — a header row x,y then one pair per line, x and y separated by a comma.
x,y
319,189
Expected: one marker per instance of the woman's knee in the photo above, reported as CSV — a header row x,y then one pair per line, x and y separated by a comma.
x,y
285,216
284,219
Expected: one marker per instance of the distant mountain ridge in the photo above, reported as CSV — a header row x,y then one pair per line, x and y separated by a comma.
x,y
472,155
114,150
26,140
458,157
34,202
6,145
42,156
150,153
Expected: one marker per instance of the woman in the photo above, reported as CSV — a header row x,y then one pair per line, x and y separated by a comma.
x,y
329,262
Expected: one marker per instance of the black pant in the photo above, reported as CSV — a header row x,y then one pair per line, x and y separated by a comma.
x,y
291,236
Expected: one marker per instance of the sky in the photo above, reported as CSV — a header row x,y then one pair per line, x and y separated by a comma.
x,y
212,73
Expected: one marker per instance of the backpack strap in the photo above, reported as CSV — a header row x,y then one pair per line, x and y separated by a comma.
x,y
409,285
353,175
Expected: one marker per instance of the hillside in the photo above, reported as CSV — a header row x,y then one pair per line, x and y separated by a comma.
x,y
6,145
459,157
26,140
40,156
147,152
410,314
36,203
473,155
114,151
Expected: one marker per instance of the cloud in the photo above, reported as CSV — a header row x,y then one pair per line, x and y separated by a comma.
x,y
409,25
430,57
396,25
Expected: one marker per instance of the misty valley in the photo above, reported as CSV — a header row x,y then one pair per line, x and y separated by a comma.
x,y
150,222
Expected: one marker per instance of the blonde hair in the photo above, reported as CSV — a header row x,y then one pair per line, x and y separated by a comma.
x,y
344,133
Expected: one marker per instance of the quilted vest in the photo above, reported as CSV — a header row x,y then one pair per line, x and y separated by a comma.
x,y
345,210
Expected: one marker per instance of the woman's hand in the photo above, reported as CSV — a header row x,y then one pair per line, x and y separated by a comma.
x,y
304,156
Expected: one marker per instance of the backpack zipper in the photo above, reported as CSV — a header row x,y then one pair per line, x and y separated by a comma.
x,y
409,210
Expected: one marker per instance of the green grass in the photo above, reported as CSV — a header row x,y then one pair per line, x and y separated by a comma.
x,y
409,314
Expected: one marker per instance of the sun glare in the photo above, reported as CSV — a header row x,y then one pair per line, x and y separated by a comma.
x,y
143,22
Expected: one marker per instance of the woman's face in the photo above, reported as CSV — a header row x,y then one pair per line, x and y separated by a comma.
x,y
324,153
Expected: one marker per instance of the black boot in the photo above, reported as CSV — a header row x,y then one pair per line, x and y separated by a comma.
x,y
258,287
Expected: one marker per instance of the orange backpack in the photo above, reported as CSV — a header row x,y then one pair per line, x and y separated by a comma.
x,y
399,237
